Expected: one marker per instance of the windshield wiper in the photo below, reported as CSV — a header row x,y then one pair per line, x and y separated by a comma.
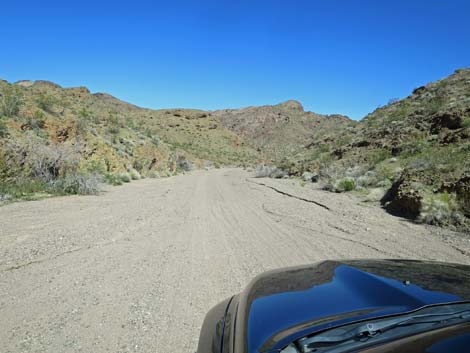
x,y
372,329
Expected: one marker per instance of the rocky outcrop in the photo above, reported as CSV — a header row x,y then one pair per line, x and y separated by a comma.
x,y
404,197
275,129
24,83
46,83
292,105
451,120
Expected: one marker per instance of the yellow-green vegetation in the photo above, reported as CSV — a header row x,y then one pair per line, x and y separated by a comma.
x,y
56,140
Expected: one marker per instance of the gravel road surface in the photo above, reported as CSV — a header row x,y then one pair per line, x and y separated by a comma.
x,y
136,268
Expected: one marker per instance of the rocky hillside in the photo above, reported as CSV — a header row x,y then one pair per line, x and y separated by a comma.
x,y
279,130
413,154
53,139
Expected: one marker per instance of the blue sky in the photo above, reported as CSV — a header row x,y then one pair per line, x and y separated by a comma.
x,y
334,56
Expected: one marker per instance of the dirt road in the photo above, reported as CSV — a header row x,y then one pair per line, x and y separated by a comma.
x,y
135,269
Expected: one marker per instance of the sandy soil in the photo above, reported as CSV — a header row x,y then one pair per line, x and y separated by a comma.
x,y
136,269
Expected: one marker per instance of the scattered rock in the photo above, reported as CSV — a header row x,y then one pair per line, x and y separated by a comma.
x,y
63,134
311,177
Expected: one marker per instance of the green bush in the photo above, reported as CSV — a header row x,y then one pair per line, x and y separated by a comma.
x,y
125,177
21,188
3,129
466,122
378,156
439,209
45,102
345,184
113,130
435,104
135,175
81,126
11,99
113,179
153,174
37,122
36,160
77,184
94,166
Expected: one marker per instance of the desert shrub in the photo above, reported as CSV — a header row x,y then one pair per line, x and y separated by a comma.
x,y
153,174
165,173
386,174
414,147
288,165
112,179
35,167
85,114
435,104
125,177
138,165
344,184
3,129
40,161
378,156
420,164
21,188
440,209
466,122
278,173
81,126
183,164
78,183
355,172
113,130
402,110
367,180
155,140
135,175
45,102
37,121
264,171
11,99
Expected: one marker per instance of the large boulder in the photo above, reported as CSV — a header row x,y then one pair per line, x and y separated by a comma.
x,y
404,198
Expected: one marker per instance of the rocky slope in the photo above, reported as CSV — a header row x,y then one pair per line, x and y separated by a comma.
x,y
413,154
53,138
278,130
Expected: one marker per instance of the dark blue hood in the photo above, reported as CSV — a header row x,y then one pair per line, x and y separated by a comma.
x,y
280,306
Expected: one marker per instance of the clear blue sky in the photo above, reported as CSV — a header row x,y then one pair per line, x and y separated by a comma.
x,y
334,56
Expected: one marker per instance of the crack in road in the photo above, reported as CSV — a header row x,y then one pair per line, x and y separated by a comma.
x,y
289,195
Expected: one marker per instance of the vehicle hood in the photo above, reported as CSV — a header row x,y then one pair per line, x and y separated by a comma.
x,y
283,305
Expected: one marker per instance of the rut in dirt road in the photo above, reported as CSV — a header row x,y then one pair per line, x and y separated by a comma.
x,y
136,269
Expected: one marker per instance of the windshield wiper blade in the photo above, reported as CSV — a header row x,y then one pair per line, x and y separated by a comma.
x,y
371,329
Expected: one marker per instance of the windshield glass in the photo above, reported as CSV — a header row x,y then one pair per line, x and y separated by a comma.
x,y
362,334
